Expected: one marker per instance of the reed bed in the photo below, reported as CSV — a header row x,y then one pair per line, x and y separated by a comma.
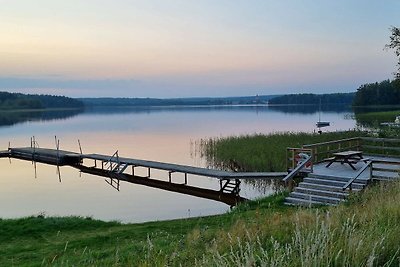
x,y
261,152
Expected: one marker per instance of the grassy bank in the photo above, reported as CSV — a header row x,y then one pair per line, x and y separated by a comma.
x,y
264,233
361,232
375,118
261,152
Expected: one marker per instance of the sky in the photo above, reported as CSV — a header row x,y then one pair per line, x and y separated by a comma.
x,y
194,48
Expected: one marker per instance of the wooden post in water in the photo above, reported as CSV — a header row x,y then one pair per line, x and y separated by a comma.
x,y
80,147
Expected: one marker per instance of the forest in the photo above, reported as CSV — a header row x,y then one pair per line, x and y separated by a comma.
x,y
380,93
10,101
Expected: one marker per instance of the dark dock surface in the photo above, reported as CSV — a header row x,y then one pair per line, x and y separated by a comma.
x,y
189,169
117,169
61,157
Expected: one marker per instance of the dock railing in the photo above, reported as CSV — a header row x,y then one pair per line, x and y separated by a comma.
x,y
364,168
299,167
386,147
325,150
296,156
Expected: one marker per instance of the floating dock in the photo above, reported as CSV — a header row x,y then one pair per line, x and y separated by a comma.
x,y
116,169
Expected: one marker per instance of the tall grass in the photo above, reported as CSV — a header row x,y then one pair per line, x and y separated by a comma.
x,y
363,234
261,152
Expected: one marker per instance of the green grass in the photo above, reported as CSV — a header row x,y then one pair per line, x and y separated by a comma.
x,y
34,241
375,118
261,152
362,232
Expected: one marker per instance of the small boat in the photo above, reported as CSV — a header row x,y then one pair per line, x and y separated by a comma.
x,y
320,123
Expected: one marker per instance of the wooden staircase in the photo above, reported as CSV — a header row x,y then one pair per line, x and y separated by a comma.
x,y
318,189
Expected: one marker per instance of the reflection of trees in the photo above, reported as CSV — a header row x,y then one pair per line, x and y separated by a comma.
x,y
8,118
310,109
371,117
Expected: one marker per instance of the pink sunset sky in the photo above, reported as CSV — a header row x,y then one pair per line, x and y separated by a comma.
x,y
184,48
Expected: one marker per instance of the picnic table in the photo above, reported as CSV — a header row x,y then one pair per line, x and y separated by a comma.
x,y
348,157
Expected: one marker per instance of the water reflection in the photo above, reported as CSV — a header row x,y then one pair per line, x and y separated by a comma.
x,y
9,118
311,109
372,117
159,134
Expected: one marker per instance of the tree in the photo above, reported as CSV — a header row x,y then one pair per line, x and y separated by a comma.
x,y
395,45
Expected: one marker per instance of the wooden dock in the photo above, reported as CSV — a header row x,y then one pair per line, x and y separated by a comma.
x,y
330,184
116,169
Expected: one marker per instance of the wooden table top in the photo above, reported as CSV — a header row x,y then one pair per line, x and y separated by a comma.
x,y
347,153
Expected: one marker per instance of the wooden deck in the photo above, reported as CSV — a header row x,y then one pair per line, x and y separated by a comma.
x,y
189,169
4,154
71,158
332,185
117,169
345,171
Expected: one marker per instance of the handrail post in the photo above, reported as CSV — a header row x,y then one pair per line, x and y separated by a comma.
x,y
293,160
80,147
350,182
370,172
287,158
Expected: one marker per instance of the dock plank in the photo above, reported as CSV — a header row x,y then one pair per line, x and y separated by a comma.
x,y
4,154
63,156
189,169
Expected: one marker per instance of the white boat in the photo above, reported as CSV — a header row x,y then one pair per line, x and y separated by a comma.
x,y
320,123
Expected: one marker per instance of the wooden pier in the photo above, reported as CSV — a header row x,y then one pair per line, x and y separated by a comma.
x,y
116,169
329,181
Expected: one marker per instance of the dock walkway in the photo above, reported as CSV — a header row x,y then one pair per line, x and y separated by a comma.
x,y
188,169
53,156
117,169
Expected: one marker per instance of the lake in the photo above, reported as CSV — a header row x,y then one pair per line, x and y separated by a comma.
x,y
159,134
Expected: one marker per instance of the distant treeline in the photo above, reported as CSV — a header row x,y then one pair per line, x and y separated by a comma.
x,y
313,99
22,101
383,93
199,101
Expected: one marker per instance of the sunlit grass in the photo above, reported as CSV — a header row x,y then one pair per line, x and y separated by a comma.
x,y
362,232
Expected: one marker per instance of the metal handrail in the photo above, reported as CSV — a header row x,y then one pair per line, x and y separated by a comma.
x,y
349,183
332,142
111,161
296,170
376,139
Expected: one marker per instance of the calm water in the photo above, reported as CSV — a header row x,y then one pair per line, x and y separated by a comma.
x,y
163,134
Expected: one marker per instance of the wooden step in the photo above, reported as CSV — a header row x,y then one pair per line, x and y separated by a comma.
x,y
334,183
335,178
302,202
323,199
324,187
317,192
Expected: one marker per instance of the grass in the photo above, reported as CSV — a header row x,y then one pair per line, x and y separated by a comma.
x,y
375,118
362,232
36,241
261,152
